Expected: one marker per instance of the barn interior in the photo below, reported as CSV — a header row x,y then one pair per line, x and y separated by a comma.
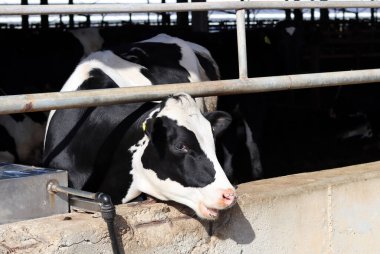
x,y
295,131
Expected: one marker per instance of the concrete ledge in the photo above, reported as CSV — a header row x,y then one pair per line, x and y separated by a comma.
x,y
331,211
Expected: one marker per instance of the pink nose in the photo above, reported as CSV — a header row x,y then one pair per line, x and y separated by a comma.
x,y
229,197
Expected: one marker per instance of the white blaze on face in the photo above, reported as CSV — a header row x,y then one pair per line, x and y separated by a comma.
x,y
182,109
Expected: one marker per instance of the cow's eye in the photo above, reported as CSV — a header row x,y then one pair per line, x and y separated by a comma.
x,y
181,147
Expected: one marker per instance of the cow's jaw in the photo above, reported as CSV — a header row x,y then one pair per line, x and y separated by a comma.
x,y
207,213
206,202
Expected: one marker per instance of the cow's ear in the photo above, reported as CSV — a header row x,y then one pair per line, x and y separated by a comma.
x,y
219,120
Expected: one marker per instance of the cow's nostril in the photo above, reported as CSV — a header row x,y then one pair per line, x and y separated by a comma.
x,y
229,196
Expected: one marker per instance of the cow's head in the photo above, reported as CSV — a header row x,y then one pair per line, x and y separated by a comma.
x,y
176,159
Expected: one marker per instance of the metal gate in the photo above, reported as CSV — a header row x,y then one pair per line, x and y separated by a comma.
x,y
60,100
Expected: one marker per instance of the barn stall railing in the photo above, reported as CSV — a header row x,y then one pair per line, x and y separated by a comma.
x,y
48,101
101,97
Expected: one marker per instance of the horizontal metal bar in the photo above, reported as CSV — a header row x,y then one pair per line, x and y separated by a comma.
x,y
54,187
178,7
82,204
86,98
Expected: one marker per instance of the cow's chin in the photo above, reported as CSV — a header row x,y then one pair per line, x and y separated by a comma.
x,y
207,213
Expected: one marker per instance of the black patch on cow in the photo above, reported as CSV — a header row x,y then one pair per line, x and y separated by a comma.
x,y
7,143
166,156
208,66
112,142
160,61
38,117
56,149
17,117
97,80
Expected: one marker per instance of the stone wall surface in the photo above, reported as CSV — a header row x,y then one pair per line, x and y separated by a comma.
x,y
330,211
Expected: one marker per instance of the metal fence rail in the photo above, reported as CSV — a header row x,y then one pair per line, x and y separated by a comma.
x,y
48,101
180,7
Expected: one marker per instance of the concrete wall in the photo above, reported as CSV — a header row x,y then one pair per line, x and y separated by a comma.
x,y
331,211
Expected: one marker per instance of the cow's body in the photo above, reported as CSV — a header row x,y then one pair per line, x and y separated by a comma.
x,y
165,150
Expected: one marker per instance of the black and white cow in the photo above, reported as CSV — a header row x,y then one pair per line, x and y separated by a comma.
x,y
165,150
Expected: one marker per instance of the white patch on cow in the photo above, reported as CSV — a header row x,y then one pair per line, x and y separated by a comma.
x,y
90,39
6,157
206,54
28,136
124,73
186,113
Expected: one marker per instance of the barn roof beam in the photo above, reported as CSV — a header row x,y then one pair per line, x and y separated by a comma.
x,y
87,98
178,7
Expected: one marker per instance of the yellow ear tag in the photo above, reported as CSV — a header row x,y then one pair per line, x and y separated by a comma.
x,y
144,126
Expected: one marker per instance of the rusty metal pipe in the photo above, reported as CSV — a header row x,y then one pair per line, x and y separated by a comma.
x,y
177,7
85,98
54,187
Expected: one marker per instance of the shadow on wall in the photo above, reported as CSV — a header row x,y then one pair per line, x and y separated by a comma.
x,y
233,225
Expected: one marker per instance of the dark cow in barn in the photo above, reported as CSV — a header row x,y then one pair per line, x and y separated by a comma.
x,y
40,65
165,150
22,138
238,147
36,61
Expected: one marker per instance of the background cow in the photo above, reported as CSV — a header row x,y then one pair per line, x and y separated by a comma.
x,y
41,65
166,150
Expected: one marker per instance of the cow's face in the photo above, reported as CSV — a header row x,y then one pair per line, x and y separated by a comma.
x,y
176,159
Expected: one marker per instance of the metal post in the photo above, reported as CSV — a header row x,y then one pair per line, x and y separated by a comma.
x,y
71,16
182,18
242,43
24,18
199,19
44,18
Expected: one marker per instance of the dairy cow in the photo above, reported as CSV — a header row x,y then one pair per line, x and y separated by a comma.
x,y
165,149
